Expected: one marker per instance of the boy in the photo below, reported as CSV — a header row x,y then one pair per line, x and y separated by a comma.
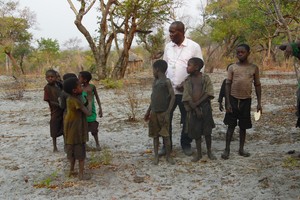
x,y
158,113
238,91
89,90
75,126
51,94
197,93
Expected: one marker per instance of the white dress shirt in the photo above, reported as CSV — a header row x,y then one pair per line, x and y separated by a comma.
x,y
177,58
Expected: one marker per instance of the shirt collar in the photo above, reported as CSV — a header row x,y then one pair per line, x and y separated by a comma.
x,y
184,43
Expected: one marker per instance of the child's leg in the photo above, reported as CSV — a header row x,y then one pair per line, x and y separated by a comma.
x,y
199,152
229,133
81,175
167,143
97,141
155,145
242,143
208,146
54,144
72,167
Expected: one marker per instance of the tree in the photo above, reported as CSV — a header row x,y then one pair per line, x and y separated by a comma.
x,y
14,23
255,22
125,18
48,51
153,43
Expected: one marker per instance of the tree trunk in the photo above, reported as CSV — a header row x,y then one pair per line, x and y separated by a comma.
x,y
16,68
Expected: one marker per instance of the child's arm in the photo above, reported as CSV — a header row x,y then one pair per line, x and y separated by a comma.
x,y
257,89
87,110
222,95
147,115
98,101
172,95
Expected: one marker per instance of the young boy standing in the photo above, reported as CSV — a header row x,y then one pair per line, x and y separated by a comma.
x,y
75,126
158,113
89,90
239,82
52,92
197,93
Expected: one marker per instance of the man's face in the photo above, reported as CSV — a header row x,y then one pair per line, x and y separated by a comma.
x,y
176,36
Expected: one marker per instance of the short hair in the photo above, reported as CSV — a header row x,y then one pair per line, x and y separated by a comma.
x,y
70,84
246,46
160,65
69,75
179,25
86,75
51,71
197,62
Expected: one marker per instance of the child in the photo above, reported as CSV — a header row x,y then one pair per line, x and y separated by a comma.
x,y
51,94
89,90
238,97
63,99
75,126
158,113
197,93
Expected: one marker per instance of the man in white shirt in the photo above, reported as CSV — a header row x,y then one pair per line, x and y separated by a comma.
x,y
177,53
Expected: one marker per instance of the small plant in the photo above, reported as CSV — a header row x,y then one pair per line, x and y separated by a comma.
x,y
46,182
106,156
291,162
112,84
95,161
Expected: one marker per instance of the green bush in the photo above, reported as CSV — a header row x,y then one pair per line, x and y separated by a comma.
x,y
112,84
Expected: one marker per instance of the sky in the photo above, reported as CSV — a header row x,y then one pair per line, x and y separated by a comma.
x,y
55,19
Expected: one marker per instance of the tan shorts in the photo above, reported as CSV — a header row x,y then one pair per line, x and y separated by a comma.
x,y
159,124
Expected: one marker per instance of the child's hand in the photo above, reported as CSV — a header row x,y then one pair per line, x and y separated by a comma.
x,y
221,108
192,105
100,114
179,87
147,116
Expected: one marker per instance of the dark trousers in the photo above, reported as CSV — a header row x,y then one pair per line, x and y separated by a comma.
x,y
185,141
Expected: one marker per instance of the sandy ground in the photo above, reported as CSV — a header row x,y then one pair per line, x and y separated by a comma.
x,y
124,170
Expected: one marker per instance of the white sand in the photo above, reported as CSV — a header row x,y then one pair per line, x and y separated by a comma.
x,y
27,160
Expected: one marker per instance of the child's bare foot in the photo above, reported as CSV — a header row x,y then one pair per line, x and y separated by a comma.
x,y
196,158
156,160
225,155
73,173
98,148
211,156
244,153
84,177
170,160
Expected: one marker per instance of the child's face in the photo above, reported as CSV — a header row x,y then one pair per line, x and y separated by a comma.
x,y
191,68
51,77
81,79
78,90
242,54
155,72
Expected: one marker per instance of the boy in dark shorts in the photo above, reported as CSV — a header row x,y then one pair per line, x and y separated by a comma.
x,y
241,76
52,92
197,93
89,90
158,113
75,126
